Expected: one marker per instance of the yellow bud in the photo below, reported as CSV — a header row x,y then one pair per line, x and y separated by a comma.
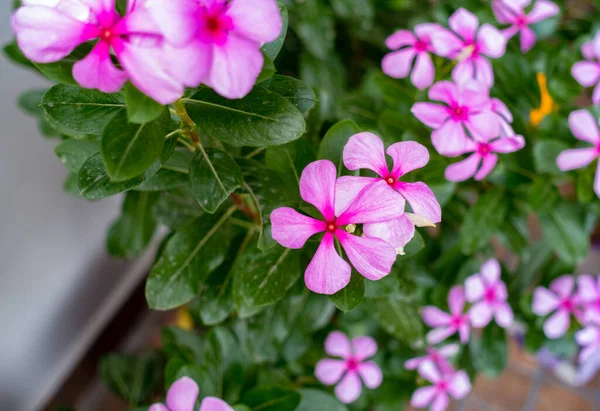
x,y
184,320
351,228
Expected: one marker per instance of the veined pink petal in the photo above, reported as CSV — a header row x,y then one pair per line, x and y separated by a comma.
x,y
480,314
474,288
317,187
487,165
429,371
438,335
444,91
586,288
527,39
97,70
348,390
584,127
446,44
177,20
456,299
291,229
421,199
371,374
504,315
376,203
544,301
557,325
440,402
398,63
459,385
399,39
257,20
484,126
407,156
330,371
138,21
508,144
597,182
542,10
463,170
397,232
464,23
451,140
517,4
434,317
363,347
491,42
587,73
365,150
576,158
503,14
327,273
347,189
483,71
158,407
431,114
563,286
337,344
423,73
214,404
182,395
423,396
190,64
372,257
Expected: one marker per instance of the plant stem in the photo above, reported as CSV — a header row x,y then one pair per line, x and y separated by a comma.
x,y
256,152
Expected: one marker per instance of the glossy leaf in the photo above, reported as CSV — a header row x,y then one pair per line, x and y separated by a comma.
x,y
173,174
398,315
332,146
141,109
352,295
271,399
273,48
177,208
328,76
293,90
73,153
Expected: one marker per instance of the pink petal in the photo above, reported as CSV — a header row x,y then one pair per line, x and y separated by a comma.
x,y
557,325
337,344
586,288
398,63
464,331
327,273
597,182
463,170
508,144
434,317
542,10
429,371
407,156
587,336
491,42
517,5
365,150
451,140
596,95
370,374
372,257
527,39
182,395
421,200
500,108
291,229
480,314
423,396
236,66
474,288
158,407
425,30
348,390
586,353
584,127
464,23
456,299
397,232
257,20
544,301
483,71
491,270
177,20
317,187
459,385
414,363
576,158
444,91
440,403
587,73
190,64
376,203
330,371
504,315
487,165
446,44
430,114
449,350
464,71
363,348
399,39
97,70
503,14
423,73
214,404
587,49
484,126
347,189
563,286
438,335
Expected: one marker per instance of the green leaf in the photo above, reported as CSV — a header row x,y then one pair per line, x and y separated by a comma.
x,y
315,27
398,315
173,174
181,344
262,118
268,70
328,77
414,246
352,295
354,10
30,102
489,352
132,232
332,146
482,220
214,176
271,399
288,161
317,400
293,90
80,110
12,51
128,149
177,208
73,153
187,260
273,48
564,231
62,71
141,109
542,195
545,154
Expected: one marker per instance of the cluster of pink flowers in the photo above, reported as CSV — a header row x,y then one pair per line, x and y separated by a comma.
x,y
182,396
377,203
161,46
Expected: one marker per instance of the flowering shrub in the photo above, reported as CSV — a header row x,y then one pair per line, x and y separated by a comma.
x,y
274,139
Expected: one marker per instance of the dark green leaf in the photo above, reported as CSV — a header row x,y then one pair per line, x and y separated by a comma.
x,y
273,48
288,161
489,352
328,77
31,103
482,220
397,315
414,246
352,295
141,108
315,27
177,208
542,195
181,344
545,154
173,174
564,231
12,51
316,400
355,10
73,153
332,146
62,71
268,70
271,399
295,91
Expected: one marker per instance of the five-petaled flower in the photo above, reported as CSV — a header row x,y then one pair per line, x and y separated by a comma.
x,y
366,150
513,12
588,293
348,372
438,356
587,72
328,272
585,128
488,294
182,396
470,45
561,300
447,324
453,383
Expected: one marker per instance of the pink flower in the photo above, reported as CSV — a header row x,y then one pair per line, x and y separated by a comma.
x,y
454,383
437,356
448,324
366,150
488,294
588,292
328,273
221,40
398,64
589,340
559,299
587,72
182,396
470,45
505,117
585,128
513,12
346,372
465,106
587,48
49,30
484,158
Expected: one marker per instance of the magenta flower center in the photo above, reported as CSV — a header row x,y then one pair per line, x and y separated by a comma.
x,y
456,321
331,227
490,295
421,45
567,304
521,21
442,385
390,180
459,113
484,149
352,364
215,24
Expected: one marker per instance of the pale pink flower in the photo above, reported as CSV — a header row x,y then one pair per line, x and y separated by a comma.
x,y
585,128
407,46
588,292
348,372
366,150
219,41
470,45
484,158
513,12
438,356
182,396
447,324
49,30
589,340
465,106
505,117
587,72
328,273
454,383
561,300
488,294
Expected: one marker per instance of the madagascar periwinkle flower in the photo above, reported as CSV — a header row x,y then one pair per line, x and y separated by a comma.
x,y
587,72
218,41
452,383
328,273
438,356
589,341
182,396
411,47
487,292
585,128
587,48
466,107
513,12
588,292
366,151
561,300
353,366
505,117
470,45
448,324
49,30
